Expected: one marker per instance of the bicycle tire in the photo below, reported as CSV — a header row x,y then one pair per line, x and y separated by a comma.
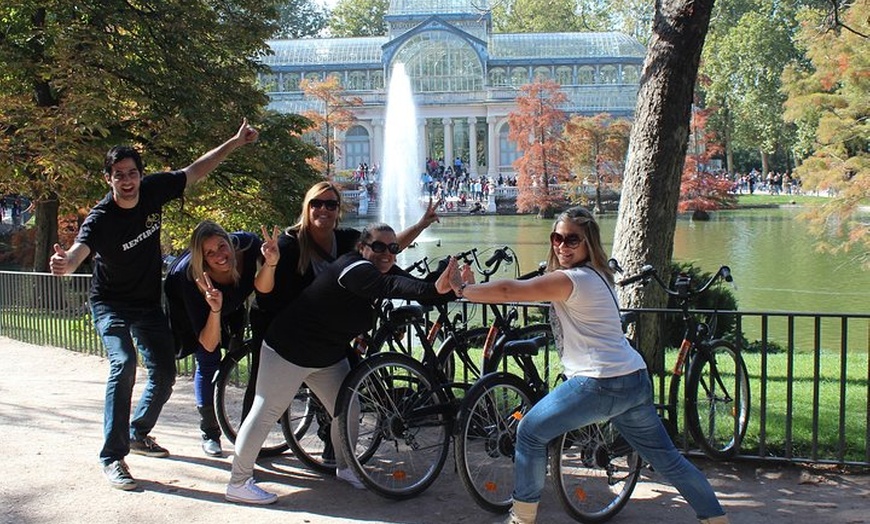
x,y
486,438
307,431
594,471
404,428
231,382
717,417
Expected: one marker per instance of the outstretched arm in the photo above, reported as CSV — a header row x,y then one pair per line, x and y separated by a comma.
x,y
205,164
63,262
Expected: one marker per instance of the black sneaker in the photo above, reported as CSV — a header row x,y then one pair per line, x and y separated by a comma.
x,y
148,447
119,476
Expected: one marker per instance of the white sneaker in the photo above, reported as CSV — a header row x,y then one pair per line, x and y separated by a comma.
x,y
249,493
347,475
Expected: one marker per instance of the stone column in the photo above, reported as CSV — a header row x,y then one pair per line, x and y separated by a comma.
x,y
472,146
492,153
422,140
448,141
377,151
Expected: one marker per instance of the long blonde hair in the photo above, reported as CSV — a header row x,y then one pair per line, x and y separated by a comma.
x,y
303,224
204,231
582,218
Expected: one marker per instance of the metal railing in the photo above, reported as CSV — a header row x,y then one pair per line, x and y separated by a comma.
x,y
809,372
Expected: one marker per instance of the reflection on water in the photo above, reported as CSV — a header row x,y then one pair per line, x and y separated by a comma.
x,y
770,252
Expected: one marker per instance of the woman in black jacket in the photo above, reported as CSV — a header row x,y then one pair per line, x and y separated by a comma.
x,y
308,340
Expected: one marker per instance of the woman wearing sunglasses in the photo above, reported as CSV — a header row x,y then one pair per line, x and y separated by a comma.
x,y
607,378
308,340
307,248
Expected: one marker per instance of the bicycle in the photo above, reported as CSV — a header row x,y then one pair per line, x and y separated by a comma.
x,y
716,397
408,408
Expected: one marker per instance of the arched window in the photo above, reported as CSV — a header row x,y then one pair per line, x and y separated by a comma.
x,y
564,75
356,81
291,81
314,77
586,75
519,76
438,61
542,73
630,74
608,74
269,82
377,79
356,147
498,77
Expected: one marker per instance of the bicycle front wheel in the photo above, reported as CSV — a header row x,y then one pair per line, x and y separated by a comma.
x,y
486,438
307,431
717,400
404,425
231,384
595,471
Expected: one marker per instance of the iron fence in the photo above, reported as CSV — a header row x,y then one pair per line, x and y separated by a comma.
x,y
809,372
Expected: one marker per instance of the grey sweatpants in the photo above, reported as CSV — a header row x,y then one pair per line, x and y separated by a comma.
x,y
277,383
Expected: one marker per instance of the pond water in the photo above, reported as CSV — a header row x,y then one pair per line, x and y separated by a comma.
x,y
770,251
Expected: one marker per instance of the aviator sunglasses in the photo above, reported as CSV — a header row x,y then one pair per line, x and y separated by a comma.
x,y
379,247
571,240
316,203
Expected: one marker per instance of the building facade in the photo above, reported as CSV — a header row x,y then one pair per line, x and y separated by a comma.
x,y
464,77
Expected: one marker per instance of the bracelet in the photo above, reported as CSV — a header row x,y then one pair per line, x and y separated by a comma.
x,y
217,312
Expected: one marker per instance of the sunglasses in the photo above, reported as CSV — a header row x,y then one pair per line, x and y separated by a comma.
x,y
316,203
379,247
571,240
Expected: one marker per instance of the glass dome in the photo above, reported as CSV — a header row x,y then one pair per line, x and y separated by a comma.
x,y
432,7
563,45
325,51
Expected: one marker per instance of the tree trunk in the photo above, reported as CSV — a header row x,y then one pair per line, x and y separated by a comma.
x,y
46,232
651,189
765,164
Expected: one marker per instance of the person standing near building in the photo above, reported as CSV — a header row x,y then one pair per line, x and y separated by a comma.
x,y
123,233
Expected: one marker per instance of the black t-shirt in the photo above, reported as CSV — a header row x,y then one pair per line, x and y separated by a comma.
x,y
126,242
247,248
315,329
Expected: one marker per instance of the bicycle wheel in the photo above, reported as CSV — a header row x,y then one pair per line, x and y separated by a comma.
x,y
231,382
717,400
404,425
486,435
307,431
544,360
595,471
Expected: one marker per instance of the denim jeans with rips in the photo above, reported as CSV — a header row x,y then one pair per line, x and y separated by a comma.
x,y
124,331
627,402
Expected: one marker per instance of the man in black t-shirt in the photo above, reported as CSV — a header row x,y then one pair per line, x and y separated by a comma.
x,y
123,233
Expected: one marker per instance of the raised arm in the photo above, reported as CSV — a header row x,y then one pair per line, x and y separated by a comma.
x,y
404,238
64,262
205,164
265,279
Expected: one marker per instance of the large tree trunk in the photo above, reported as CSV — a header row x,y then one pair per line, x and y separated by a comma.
x,y
46,232
648,206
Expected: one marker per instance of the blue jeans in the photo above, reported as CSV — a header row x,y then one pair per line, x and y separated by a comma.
x,y
627,402
118,325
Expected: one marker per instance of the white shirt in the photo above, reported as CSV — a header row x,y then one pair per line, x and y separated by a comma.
x,y
588,330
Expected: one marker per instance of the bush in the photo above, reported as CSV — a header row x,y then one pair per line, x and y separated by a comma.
x,y
718,297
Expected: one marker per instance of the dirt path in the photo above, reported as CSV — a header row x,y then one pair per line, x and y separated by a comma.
x,y
51,403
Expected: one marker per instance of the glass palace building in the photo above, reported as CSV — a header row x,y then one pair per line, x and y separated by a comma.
x,y
464,77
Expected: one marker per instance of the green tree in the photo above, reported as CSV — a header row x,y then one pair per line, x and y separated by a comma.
x,y
540,16
334,113
173,79
829,101
743,61
536,127
301,18
597,145
359,18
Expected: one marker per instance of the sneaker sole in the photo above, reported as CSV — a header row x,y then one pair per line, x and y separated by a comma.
x,y
124,486
258,502
152,454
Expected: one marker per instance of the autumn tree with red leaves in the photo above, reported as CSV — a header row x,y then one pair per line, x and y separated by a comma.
x,y
536,127
334,113
597,146
700,190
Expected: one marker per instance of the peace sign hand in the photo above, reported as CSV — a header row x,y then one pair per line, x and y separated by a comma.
x,y
269,247
213,296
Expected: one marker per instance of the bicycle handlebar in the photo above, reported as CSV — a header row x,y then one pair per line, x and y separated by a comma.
x,y
682,284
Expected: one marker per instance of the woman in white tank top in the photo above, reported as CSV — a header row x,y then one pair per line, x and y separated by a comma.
x,y
607,379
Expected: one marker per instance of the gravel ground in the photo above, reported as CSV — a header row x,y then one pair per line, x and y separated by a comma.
x,y
51,404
